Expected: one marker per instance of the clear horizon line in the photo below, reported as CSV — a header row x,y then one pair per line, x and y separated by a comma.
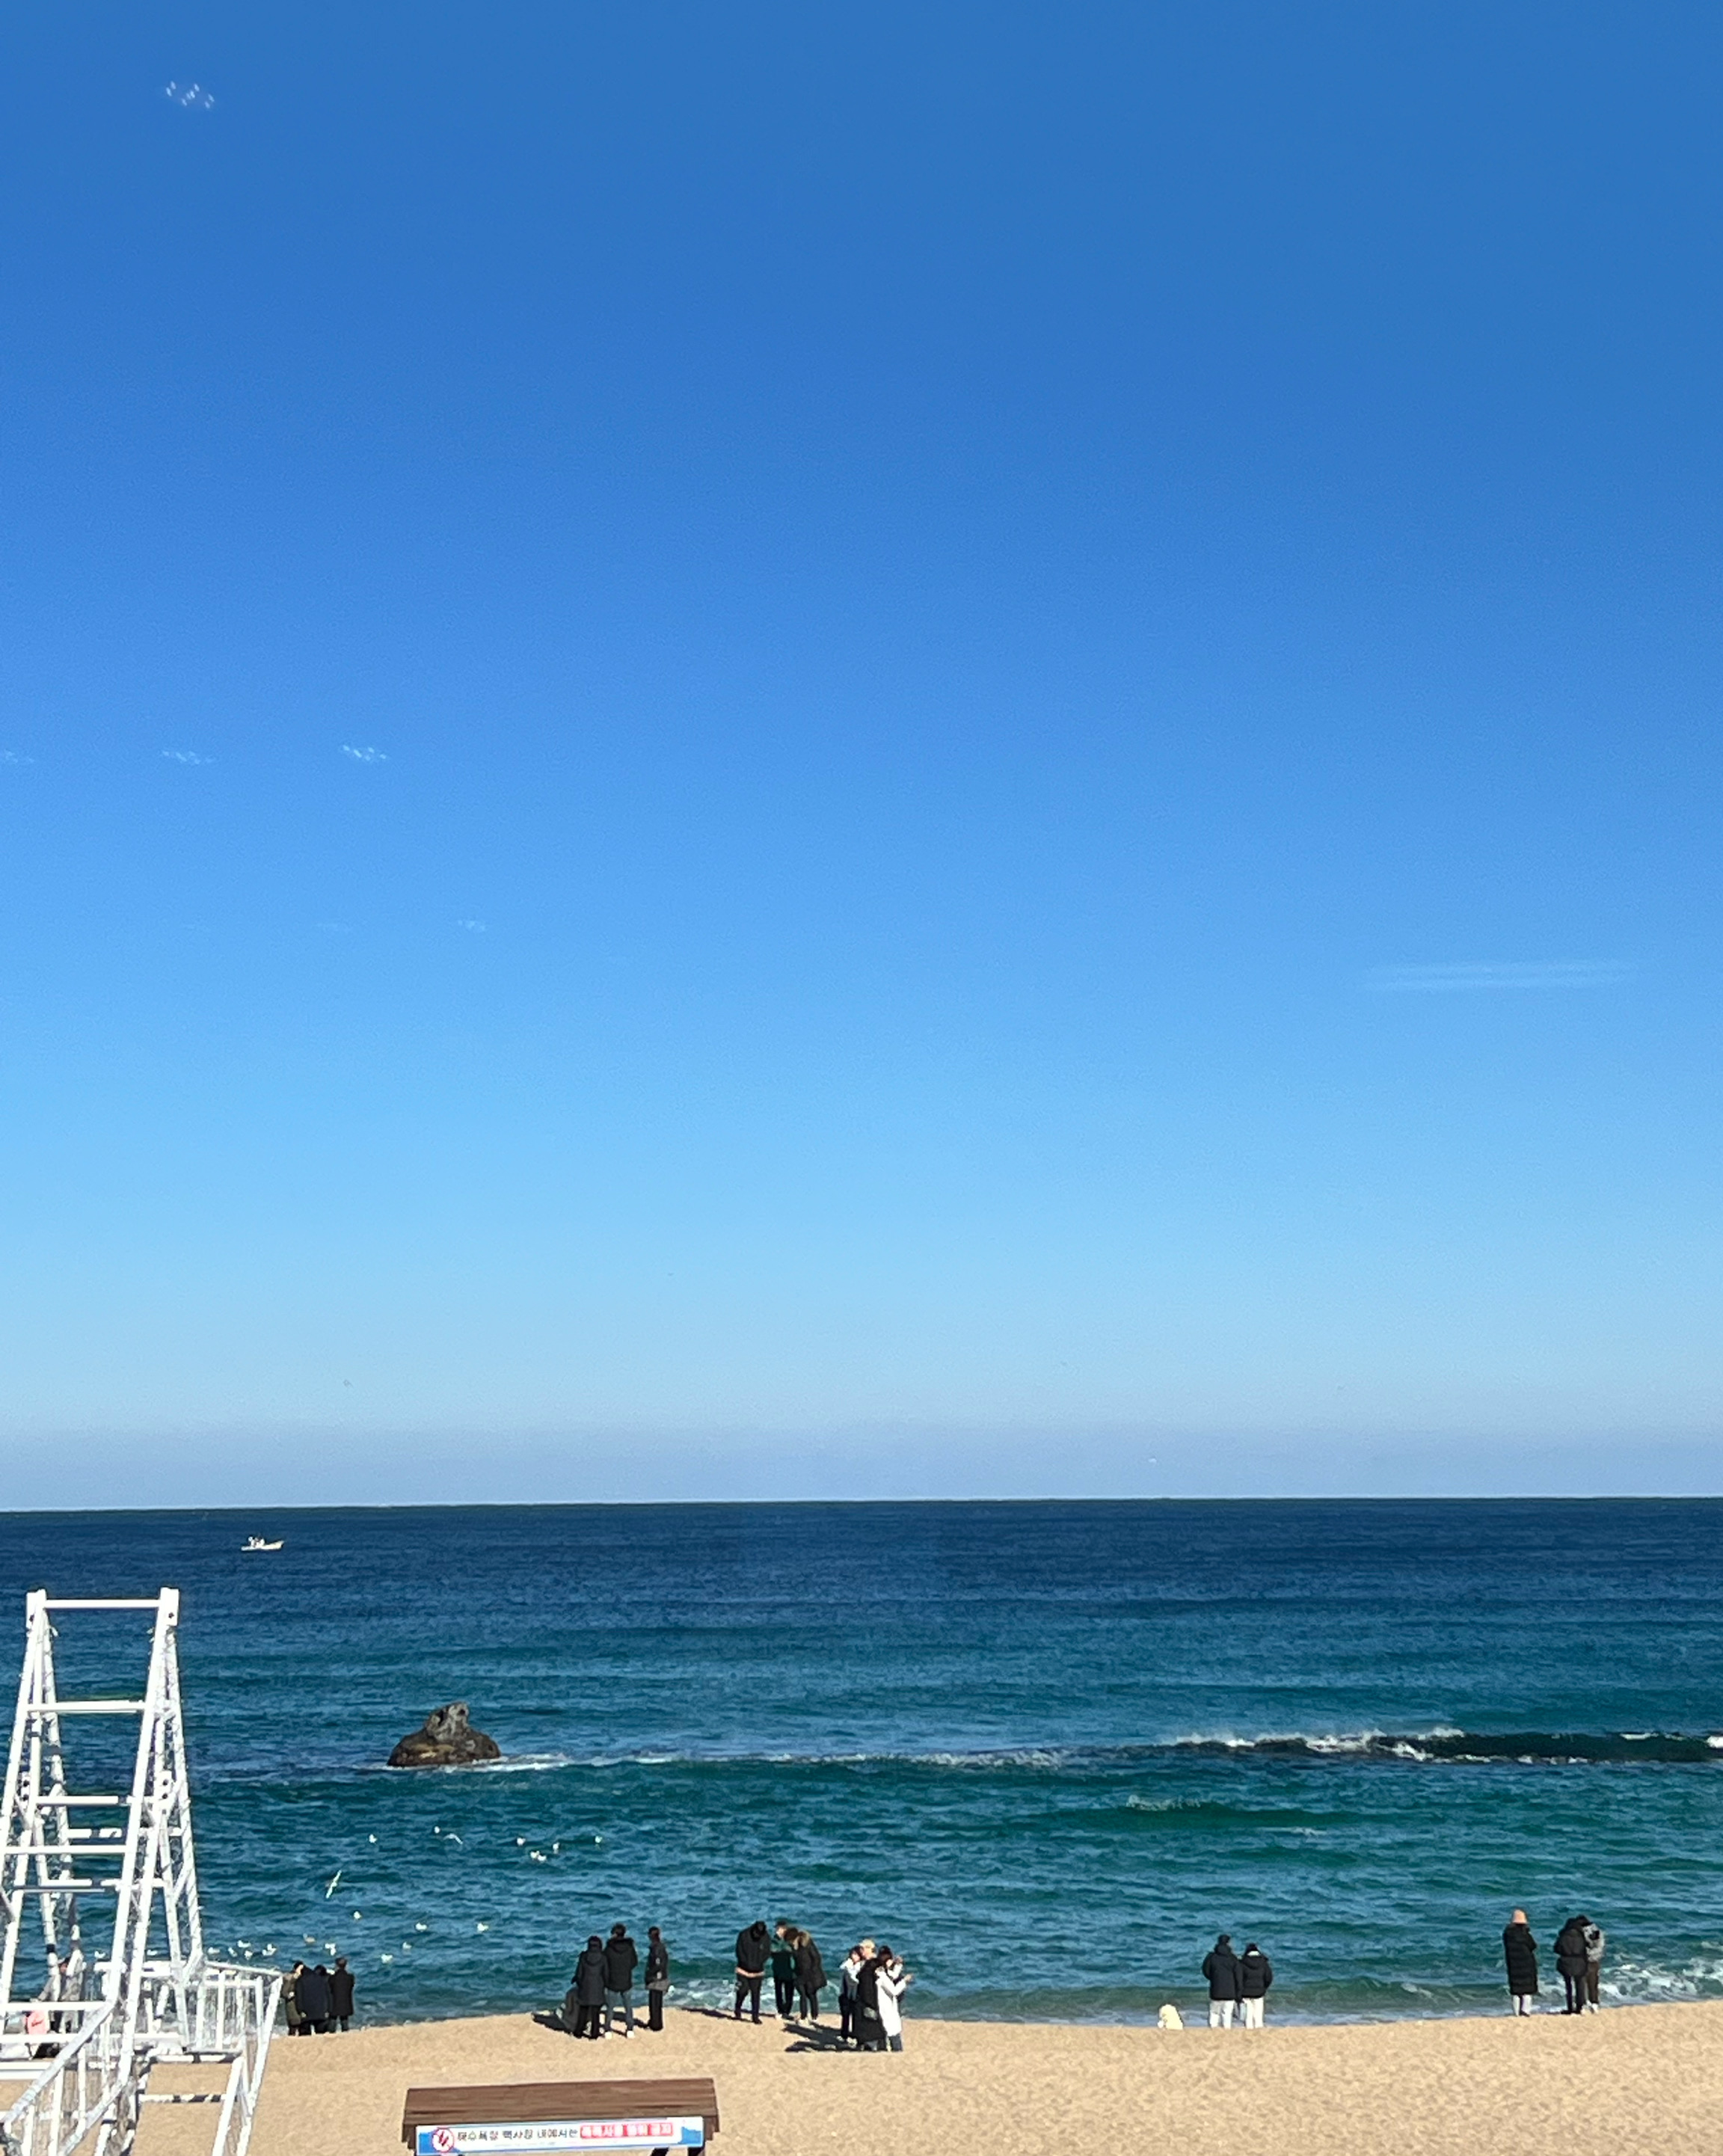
x,y
830,1504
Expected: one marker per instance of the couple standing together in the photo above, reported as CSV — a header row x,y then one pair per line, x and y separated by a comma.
x,y
1238,1984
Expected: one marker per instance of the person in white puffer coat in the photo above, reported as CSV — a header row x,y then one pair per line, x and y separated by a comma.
x,y
892,1980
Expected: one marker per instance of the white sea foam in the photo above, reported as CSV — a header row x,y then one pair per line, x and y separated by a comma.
x,y
1039,1757
1630,1983
1323,1743
526,1763
521,1762
1033,1756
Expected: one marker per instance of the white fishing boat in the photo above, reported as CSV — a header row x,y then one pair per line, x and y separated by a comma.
x,y
257,1543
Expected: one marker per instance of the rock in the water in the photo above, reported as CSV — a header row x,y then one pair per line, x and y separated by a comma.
x,y
448,1739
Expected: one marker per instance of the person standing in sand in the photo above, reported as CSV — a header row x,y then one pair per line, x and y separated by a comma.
x,y
589,1990
865,2020
1256,1973
341,1992
784,1970
810,1975
1220,1969
1571,1963
891,1981
619,1959
847,1976
1594,1962
297,2025
657,1976
314,2001
753,1950
1520,1952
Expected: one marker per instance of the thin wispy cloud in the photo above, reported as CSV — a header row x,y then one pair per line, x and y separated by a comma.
x,y
12,756
1469,976
185,756
473,927
363,755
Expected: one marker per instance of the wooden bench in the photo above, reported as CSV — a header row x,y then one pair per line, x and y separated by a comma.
x,y
548,2118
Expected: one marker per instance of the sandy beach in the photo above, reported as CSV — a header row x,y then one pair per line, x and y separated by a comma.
x,y
1638,2078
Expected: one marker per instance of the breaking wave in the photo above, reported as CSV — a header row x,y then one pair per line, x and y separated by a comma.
x,y
1525,1748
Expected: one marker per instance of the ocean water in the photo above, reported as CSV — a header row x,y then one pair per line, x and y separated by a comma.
x,y
1046,1750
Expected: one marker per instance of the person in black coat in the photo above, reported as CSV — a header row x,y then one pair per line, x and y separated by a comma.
x,y
810,1974
1256,1973
657,1976
1571,1962
865,2025
589,1988
315,2001
619,1960
753,1950
341,1992
1520,1952
1220,1970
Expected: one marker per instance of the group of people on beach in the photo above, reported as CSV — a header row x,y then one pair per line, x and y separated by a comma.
x,y
1579,1962
798,1972
318,2001
871,1983
602,1992
1238,1983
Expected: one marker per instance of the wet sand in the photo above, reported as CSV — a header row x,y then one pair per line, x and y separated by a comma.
x,y
1645,2078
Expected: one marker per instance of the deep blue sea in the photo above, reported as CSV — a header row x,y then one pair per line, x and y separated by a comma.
x,y
1046,1750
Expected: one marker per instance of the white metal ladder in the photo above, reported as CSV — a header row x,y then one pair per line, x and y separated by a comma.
x,y
94,2029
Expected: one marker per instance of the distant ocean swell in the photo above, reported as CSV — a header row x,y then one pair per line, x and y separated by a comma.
x,y
1462,1748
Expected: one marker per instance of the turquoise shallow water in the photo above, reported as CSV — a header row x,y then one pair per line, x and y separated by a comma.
x,y
1047,1750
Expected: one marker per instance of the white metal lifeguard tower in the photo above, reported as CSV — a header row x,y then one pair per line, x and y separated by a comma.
x,y
87,2013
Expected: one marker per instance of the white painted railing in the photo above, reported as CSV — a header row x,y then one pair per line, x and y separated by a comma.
x,y
91,2088
94,2035
84,2085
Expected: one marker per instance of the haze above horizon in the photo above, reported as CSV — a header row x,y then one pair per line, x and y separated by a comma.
x,y
961,751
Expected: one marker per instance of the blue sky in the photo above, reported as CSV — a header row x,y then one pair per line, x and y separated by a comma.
x,y
872,751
